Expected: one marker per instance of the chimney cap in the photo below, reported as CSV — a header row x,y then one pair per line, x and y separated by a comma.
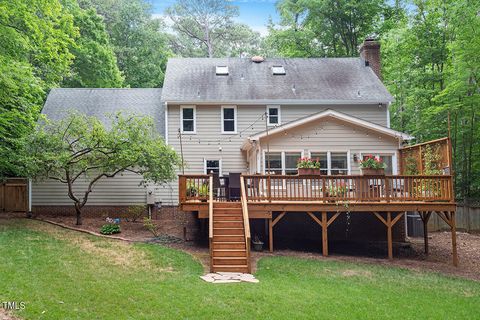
x,y
258,59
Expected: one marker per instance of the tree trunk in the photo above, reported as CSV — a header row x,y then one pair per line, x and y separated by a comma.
x,y
78,211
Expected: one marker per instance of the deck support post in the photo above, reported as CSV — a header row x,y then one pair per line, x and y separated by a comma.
x,y
270,235
389,236
324,234
449,218
425,216
389,223
324,223
271,224
454,238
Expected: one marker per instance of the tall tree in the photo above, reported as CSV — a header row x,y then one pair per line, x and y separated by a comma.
x,y
431,65
140,45
326,27
35,37
206,22
95,63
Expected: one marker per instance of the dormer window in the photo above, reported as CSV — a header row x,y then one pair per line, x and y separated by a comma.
x,y
221,70
278,70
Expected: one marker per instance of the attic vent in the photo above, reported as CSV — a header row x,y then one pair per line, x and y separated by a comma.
x,y
278,70
221,71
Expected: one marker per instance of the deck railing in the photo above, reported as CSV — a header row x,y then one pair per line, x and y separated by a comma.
x,y
394,188
246,221
348,188
210,219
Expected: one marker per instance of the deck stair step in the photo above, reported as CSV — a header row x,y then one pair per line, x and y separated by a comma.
x,y
227,238
229,253
227,224
228,246
228,231
230,268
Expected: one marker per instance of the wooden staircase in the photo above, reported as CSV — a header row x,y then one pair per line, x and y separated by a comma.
x,y
229,234
229,252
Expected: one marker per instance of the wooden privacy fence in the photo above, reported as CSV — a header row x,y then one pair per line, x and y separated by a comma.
x,y
467,219
14,195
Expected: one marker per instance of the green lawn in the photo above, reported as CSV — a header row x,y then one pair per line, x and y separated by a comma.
x,y
62,274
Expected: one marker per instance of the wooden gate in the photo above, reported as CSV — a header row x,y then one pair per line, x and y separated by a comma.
x,y
14,195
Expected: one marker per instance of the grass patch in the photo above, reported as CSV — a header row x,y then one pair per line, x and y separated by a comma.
x,y
63,274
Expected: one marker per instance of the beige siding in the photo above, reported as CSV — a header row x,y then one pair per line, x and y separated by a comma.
x,y
124,190
121,190
329,134
372,113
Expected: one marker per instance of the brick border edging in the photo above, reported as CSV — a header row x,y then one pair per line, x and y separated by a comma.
x,y
86,231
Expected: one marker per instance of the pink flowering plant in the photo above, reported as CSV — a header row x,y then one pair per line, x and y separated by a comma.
x,y
371,162
308,163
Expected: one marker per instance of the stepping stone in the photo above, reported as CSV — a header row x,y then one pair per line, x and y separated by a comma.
x,y
229,277
207,278
226,281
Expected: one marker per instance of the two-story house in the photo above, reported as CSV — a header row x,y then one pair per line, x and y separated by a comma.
x,y
257,117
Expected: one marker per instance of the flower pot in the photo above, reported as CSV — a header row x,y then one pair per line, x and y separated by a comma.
x,y
316,172
373,172
304,171
257,246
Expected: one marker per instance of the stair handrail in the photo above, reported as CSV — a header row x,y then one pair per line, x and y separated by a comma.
x,y
210,219
246,223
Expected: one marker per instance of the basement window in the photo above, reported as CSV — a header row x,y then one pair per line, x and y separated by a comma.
x,y
221,71
278,70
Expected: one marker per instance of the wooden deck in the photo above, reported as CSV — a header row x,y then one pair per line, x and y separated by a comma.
x,y
324,198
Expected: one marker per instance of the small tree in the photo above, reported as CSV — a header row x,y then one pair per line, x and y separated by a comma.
x,y
83,147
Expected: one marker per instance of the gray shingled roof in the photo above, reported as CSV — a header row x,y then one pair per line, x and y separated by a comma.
x,y
103,102
307,80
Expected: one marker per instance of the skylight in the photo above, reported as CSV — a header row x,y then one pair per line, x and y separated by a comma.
x,y
221,70
278,70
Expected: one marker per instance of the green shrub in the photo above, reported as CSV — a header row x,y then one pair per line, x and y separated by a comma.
x,y
135,212
151,226
110,228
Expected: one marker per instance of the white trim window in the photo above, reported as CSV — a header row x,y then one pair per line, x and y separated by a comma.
x,y
339,163
229,119
212,166
322,157
276,164
273,115
290,163
281,162
390,160
188,121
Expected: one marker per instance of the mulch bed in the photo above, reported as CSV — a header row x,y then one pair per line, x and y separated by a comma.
x,y
410,256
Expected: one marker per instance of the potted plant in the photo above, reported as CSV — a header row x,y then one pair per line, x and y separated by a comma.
x,y
257,244
371,166
203,192
307,166
337,189
191,189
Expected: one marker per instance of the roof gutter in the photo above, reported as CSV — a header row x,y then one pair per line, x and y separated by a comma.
x,y
280,101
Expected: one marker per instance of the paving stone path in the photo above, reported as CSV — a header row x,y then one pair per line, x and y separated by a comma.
x,y
229,277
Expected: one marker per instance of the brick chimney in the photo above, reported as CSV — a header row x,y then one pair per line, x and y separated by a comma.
x,y
370,52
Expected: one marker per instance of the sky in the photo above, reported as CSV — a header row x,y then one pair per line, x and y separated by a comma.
x,y
254,13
